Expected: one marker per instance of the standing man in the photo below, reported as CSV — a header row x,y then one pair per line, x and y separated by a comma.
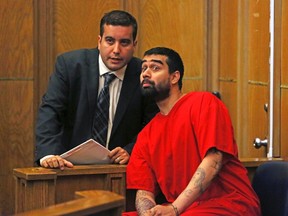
x,y
187,151
67,115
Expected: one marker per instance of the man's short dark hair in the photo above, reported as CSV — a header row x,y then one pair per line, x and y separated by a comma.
x,y
119,18
174,60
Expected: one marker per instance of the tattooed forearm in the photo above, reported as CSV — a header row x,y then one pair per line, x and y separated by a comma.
x,y
217,161
198,179
143,203
217,165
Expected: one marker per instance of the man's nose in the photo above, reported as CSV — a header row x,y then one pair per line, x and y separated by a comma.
x,y
116,48
146,73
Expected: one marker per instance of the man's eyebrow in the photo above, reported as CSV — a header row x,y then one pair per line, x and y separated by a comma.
x,y
153,60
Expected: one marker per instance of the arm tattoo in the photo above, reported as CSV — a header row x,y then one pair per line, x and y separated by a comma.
x,y
199,177
143,203
200,174
218,161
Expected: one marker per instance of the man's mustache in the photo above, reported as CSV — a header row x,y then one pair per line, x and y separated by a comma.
x,y
147,81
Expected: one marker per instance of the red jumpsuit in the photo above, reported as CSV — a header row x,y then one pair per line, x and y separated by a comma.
x,y
170,148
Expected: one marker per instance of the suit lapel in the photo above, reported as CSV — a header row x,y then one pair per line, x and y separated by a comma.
x,y
129,87
92,80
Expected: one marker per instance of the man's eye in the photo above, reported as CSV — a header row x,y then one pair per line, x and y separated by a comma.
x,y
125,42
155,68
144,69
109,40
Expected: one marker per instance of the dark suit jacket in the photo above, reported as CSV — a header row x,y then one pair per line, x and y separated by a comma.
x,y
67,110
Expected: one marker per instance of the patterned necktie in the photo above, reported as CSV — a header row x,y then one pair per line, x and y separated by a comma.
x,y
102,112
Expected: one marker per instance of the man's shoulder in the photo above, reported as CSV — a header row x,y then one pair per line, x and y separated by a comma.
x,y
201,94
80,53
134,63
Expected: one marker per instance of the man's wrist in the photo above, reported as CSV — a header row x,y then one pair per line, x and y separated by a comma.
x,y
175,209
44,158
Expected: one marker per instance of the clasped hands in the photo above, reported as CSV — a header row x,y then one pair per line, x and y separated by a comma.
x,y
117,156
160,210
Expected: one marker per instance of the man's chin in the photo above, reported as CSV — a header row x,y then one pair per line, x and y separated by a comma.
x,y
148,92
114,66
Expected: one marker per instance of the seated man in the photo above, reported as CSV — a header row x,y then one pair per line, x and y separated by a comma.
x,y
187,151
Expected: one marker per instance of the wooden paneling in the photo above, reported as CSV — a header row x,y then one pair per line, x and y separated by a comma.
x,y
284,120
257,76
16,39
227,58
244,69
284,80
258,120
180,25
16,140
16,94
76,23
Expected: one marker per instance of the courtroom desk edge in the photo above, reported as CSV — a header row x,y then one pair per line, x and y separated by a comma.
x,y
255,162
85,203
37,173
92,169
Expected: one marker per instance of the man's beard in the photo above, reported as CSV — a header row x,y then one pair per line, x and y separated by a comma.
x,y
158,93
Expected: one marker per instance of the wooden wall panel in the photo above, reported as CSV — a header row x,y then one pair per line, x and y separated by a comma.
x,y
258,75
16,94
284,80
257,125
76,23
229,93
180,25
244,69
284,120
16,39
16,140
227,45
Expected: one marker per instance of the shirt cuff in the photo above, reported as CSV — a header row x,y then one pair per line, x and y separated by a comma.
x,y
42,159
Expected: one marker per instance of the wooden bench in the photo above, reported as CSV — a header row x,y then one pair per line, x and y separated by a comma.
x,y
91,202
38,187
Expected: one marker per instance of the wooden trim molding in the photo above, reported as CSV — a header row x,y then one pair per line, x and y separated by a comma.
x,y
43,47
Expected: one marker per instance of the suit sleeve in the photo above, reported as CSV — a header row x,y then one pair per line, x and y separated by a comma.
x,y
49,125
149,111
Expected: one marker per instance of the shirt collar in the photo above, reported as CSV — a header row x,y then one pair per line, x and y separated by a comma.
x,y
103,69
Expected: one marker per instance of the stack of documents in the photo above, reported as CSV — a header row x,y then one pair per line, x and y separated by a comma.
x,y
89,152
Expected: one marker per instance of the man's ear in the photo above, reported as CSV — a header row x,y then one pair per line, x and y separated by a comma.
x,y
99,40
175,77
135,43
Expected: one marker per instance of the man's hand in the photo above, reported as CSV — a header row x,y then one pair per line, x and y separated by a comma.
x,y
119,155
56,162
162,210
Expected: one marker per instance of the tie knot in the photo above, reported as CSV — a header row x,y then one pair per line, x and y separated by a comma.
x,y
109,77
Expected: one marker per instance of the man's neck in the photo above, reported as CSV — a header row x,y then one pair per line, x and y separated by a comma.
x,y
168,103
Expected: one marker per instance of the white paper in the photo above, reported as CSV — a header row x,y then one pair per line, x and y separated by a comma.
x,y
89,152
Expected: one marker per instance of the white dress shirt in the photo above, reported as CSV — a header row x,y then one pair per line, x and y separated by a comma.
x,y
114,91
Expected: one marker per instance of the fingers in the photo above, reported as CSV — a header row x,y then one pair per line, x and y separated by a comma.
x,y
119,156
56,162
122,159
162,210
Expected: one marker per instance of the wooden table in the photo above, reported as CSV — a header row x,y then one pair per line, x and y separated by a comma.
x,y
38,187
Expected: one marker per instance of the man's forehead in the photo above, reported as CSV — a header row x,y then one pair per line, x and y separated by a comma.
x,y
161,59
118,31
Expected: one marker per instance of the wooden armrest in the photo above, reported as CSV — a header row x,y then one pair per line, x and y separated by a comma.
x,y
86,203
